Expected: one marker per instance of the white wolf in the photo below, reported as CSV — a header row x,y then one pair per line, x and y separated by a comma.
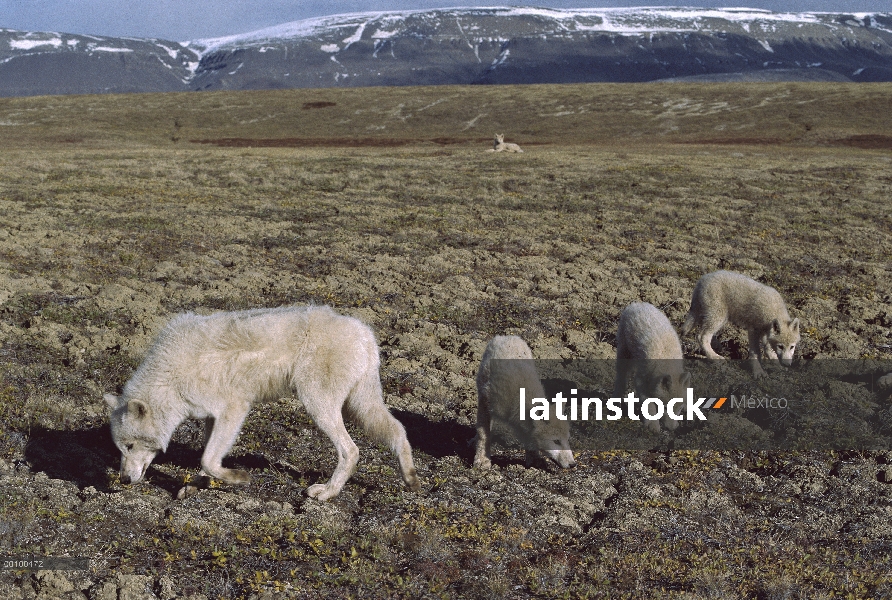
x,y
647,345
498,385
724,296
214,367
499,145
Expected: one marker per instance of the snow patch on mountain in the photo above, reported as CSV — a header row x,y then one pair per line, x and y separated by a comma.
x,y
29,44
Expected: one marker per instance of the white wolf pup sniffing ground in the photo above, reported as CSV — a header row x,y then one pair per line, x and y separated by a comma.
x,y
500,145
647,345
723,297
498,385
215,367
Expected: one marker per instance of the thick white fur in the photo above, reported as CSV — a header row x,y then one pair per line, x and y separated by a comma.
x,y
647,345
215,367
724,296
499,145
498,384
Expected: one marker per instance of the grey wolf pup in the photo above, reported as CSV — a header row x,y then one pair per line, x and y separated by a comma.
x,y
215,367
647,345
724,296
498,383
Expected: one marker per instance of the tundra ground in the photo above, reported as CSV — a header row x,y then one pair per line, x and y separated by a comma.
x,y
118,211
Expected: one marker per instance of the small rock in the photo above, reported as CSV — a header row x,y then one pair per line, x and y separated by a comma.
x,y
166,590
135,587
248,505
53,585
104,590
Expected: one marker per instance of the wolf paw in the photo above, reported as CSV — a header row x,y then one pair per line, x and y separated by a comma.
x,y
321,491
412,482
187,491
234,476
482,463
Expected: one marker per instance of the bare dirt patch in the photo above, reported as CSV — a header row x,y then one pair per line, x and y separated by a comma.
x,y
321,104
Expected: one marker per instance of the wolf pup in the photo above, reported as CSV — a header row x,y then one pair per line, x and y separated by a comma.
x,y
215,367
646,344
498,383
500,145
723,297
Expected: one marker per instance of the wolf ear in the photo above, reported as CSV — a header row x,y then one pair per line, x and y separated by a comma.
x,y
794,325
111,400
775,327
137,409
686,379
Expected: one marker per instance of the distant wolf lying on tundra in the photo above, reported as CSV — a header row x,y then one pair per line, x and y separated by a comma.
x,y
498,385
215,367
647,345
724,296
499,145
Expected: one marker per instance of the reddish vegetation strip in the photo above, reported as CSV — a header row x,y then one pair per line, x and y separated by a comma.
x,y
331,142
869,141
744,141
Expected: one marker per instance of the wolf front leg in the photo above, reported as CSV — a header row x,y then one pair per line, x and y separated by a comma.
x,y
223,430
755,350
203,481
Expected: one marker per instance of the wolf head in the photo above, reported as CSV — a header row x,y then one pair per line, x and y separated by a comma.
x,y
666,386
553,442
782,338
499,139
135,434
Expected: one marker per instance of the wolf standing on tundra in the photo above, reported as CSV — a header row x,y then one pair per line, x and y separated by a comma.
x,y
647,345
724,296
507,365
215,367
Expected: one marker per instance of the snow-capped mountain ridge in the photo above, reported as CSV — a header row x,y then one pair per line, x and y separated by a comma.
x,y
465,46
640,21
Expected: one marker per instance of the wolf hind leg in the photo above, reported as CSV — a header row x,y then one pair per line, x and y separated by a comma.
x,y
708,329
332,424
483,452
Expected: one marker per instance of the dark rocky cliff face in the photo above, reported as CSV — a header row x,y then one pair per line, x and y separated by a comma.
x,y
467,46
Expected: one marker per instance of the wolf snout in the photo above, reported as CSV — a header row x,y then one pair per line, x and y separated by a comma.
x,y
564,461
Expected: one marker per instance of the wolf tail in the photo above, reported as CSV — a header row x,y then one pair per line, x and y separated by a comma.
x,y
365,406
689,323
